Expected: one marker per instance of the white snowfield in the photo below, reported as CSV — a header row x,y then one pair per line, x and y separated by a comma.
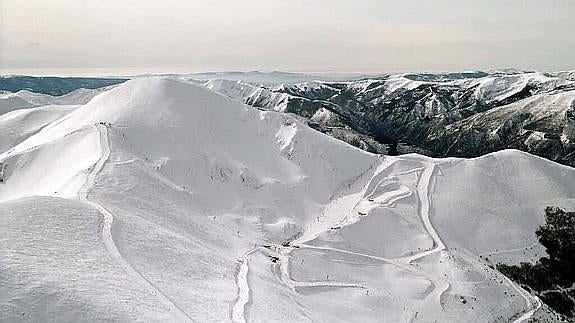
x,y
24,99
160,200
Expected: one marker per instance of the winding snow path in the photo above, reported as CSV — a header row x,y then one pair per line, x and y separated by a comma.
x,y
106,231
359,205
423,193
325,223
239,308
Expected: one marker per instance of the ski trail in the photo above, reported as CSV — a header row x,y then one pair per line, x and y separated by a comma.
x,y
178,313
285,278
129,161
239,308
106,231
243,295
508,250
364,201
283,253
407,267
336,213
370,199
423,191
423,194
326,284
311,232
97,168
529,299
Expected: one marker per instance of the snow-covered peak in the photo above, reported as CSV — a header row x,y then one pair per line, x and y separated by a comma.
x,y
190,206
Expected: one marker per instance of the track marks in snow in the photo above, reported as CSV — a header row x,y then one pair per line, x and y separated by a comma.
x,y
243,297
106,231
423,193
393,191
281,271
97,168
366,199
385,188
285,276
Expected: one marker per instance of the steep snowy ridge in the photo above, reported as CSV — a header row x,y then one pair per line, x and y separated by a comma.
x,y
161,200
417,112
255,96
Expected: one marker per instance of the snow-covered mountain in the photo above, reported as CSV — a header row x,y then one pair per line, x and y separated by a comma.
x,y
161,200
24,113
457,114
52,85
275,77
302,100
25,99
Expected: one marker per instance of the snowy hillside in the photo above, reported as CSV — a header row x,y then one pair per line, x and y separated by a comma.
x,y
444,115
25,99
161,200
303,100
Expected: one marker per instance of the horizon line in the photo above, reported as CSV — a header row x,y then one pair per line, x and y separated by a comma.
x,y
106,72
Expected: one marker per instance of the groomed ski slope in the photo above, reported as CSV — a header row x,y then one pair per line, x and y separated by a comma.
x,y
203,209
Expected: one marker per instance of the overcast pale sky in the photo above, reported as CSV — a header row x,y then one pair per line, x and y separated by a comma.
x,y
137,36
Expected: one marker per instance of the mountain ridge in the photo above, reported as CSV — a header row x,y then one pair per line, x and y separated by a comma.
x,y
439,115
188,206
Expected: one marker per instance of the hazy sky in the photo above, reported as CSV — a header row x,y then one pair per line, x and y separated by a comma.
x,y
133,36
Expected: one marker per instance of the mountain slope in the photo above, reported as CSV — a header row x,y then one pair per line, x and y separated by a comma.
x,y
442,115
25,99
20,124
318,113
188,206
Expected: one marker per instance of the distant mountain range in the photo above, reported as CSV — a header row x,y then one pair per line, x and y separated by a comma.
x,y
457,114
464,114
64,85
55,86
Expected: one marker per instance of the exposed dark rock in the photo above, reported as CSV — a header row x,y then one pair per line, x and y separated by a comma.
x,y
443,115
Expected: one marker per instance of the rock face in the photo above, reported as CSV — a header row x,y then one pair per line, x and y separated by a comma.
x,y
457,114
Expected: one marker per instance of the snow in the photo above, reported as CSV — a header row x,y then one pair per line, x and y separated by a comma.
x,y
161,200
234,89
25,99
499,87
544,106
55,267
247,93
543,183
10,102
18,125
